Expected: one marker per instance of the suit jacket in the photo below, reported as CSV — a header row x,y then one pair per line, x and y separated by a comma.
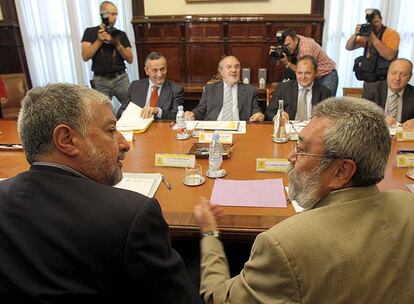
x,y
288,92
377,93
171,96
355,246
67,238
211,102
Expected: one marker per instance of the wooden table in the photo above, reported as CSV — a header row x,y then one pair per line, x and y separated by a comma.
x,y
239,223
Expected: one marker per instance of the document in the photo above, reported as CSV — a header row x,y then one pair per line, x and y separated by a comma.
x,y
131,119
144,183
194,124
249,193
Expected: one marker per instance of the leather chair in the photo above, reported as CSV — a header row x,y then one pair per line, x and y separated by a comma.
x,y
16,87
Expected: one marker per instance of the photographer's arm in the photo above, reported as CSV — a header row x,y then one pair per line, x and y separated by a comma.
x,y
352,44
289,65
89,49
384,51
126,52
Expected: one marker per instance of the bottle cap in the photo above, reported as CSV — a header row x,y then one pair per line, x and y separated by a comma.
x,y
216,136
180,108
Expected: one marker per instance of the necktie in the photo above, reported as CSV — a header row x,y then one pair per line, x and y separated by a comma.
x,y
302,111
154,97
227,113
393,105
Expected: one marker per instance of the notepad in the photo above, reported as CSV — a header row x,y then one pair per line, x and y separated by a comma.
x,y
144,183
131,119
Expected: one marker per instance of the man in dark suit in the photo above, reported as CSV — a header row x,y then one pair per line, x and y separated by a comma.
x,y
67,235
155,95
229,99
302,93
396,95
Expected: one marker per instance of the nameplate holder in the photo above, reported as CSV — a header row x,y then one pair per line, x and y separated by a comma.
x,y
207,137
405,136
174,160
272,164
405,158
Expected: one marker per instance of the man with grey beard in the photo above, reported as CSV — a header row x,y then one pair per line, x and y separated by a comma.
x,y
66,235
353,244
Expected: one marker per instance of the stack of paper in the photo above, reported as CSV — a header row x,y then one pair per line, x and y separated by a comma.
x,y
144,183
131,119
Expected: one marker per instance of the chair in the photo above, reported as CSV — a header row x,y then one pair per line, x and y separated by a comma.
x,y
16,87
352,92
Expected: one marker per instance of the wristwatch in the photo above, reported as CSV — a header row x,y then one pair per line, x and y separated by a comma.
x,y
215,233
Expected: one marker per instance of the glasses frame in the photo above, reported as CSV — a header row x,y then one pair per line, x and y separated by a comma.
x,y
295,150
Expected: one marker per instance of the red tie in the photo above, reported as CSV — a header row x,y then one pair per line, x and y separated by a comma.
x,y
154,97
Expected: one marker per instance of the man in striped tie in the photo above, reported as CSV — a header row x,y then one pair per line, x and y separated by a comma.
x,y
396,95
228,99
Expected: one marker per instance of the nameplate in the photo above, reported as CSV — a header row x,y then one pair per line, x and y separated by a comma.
x,y
205,137
405,136
272,164
175,160
129,135
405,159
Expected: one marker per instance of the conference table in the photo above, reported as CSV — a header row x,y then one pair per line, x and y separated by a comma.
x,y
238,223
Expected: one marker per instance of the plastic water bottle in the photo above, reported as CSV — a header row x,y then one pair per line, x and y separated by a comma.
x,y
215,157
181,132
280,135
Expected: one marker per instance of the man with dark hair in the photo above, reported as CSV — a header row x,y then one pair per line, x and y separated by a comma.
x,y
299,46
157,96
108,48
381,44
299,95
67,235
352,244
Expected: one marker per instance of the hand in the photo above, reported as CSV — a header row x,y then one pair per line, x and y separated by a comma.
x,y
3,101
206,214
103,35
408,125
284,60
390,121
271,49
285,116
147,112
357,29
189,115
257,117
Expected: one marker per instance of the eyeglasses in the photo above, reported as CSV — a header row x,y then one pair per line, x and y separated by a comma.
x,y
298,151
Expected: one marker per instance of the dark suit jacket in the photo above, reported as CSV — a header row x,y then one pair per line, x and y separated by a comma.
x,y
171,96
65,238
288,92
377,93
211,102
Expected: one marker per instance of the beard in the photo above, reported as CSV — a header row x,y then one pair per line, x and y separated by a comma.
x,y
304,188
101,168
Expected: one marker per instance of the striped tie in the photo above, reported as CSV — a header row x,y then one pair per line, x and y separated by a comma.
x,y
154,97
302,112
393,105
227,110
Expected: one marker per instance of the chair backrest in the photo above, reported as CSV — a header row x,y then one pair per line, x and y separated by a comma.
x,y
16,87
352,92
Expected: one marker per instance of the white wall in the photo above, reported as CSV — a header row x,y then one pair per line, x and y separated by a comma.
x,y
226,7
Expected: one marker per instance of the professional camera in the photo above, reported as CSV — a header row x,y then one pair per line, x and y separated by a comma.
x,y
367,28
110,29
280,50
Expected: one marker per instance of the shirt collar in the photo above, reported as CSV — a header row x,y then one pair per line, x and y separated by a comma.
x,y
309,87
390,92
61,166
151,84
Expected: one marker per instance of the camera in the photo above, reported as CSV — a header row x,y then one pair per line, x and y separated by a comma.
x,y
110,29
367,28
280,49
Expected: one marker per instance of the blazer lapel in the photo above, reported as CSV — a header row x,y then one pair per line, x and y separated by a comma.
x,y
294,97
218,101
316,94
241,97
164,93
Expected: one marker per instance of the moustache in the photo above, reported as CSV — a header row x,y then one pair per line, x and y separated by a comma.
x,y
121,155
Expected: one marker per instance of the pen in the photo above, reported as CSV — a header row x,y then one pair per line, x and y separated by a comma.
x,y
293,126
166,183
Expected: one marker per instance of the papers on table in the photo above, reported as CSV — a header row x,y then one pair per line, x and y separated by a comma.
x,y
249,193
131,119
410,187
194,124
144,183
217,125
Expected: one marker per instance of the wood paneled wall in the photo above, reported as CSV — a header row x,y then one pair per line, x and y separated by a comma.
x,y
193,46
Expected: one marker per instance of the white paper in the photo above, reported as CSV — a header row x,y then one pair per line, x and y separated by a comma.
x,y
191,124
131,119
144,183
295,204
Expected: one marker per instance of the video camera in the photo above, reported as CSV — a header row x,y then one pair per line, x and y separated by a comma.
x,y
280,49
367,28
110,29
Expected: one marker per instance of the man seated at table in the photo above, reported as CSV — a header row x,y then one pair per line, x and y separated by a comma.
x,y
299,95
352,244
157,96
227,99
396,95
67,235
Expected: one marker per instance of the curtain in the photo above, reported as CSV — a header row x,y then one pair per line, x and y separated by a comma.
x,y
52,31
343,16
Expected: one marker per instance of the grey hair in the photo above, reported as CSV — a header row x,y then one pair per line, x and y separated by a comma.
x,y
357,132
153,56
220,64
44,108
105,3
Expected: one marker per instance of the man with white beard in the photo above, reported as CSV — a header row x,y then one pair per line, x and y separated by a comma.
x,y
353,244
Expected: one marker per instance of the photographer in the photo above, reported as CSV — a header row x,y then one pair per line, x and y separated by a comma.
x,y
379,42
297,46
108,47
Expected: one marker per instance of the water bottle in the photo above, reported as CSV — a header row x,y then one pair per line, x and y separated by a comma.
x,y
279,134
215,157
181,132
